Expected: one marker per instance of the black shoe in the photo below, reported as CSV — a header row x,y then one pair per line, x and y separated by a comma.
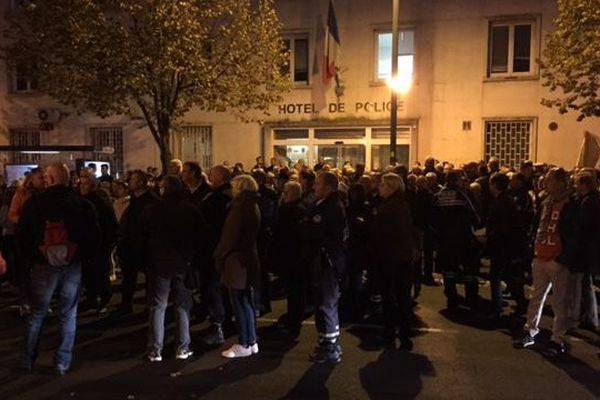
x,y
452,304
554,349
326,354
121,312
406,344
215,337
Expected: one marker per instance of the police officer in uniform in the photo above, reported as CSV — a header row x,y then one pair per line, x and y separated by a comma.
x,y
326,233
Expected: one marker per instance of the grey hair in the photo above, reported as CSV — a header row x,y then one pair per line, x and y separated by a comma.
x,y
394,181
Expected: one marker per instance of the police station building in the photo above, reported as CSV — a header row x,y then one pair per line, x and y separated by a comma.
x,y
476,92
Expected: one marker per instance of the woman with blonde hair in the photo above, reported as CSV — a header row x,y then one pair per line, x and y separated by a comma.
x,y
237,259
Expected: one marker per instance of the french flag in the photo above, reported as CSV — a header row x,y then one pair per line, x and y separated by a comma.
x,y
332,46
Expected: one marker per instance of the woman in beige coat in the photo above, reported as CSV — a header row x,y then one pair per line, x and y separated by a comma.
x,y
237,260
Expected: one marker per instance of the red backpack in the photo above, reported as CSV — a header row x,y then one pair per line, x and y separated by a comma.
x,y
57,248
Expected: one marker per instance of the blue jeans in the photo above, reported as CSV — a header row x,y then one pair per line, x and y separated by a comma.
x,y
45,279
160,287
242,302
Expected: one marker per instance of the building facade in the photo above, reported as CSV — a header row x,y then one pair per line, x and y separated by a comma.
x,y
476,92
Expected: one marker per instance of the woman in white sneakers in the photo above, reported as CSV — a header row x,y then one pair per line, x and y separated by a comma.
x,y
236,258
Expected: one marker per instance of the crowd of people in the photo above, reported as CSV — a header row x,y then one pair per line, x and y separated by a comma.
x,y
338,238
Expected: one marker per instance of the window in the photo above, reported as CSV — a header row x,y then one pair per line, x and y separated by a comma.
x,y
297,68
22,80
509,141
105,138
511,49
196,145
406,54
24,137
339,154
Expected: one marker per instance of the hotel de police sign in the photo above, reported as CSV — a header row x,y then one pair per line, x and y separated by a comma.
x,y
358,107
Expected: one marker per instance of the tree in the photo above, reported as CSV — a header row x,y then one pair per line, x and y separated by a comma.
x,y
571,60
159,58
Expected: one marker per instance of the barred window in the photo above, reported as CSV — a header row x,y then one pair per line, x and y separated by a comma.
x,y
24,137
196,145
108,138
508,141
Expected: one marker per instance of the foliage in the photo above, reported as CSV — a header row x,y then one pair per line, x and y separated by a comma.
x,y
160,57
571,59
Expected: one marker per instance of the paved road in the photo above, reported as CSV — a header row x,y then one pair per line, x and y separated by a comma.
x,y
458,355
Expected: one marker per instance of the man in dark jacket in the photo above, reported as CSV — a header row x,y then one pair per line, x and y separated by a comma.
x,y
96,271
588,250
326,234
129,247
196,187
172,233
286,260
394,248
504,236
214,209
454,217
57,231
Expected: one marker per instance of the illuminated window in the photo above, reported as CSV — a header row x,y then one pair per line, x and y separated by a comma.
x,y
383,57
297,67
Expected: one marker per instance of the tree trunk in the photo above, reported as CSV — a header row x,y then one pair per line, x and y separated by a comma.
x,y
164,147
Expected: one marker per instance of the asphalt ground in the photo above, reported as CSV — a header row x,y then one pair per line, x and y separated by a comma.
x,y
458,355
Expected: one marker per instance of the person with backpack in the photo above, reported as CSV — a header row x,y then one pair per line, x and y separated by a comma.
x,y
58,230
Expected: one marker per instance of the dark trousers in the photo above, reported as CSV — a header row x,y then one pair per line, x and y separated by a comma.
x,y
297,290
428,255
589,305
242,302
212,294
327,280
129,283
96,277
397,300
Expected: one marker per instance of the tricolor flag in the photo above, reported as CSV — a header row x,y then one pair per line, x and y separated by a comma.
x,y
332,43
325,65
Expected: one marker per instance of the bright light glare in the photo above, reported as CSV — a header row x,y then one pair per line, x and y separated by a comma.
x,y
401,83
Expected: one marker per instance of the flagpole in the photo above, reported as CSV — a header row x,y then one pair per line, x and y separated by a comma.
x,y
394,102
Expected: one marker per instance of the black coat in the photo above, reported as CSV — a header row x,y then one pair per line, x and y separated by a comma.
x,y
214,209
107,221
286,238
172,233
58,203
504,228
588,234
325,229
129,246
454,217
198,195
393,232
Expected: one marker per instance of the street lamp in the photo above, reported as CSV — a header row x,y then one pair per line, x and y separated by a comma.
x,y
398,83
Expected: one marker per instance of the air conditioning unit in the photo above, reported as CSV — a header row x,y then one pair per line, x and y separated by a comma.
x,y
50,115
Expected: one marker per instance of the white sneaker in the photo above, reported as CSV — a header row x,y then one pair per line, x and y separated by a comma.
x,y
154,356
184,354
237,351
254,348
